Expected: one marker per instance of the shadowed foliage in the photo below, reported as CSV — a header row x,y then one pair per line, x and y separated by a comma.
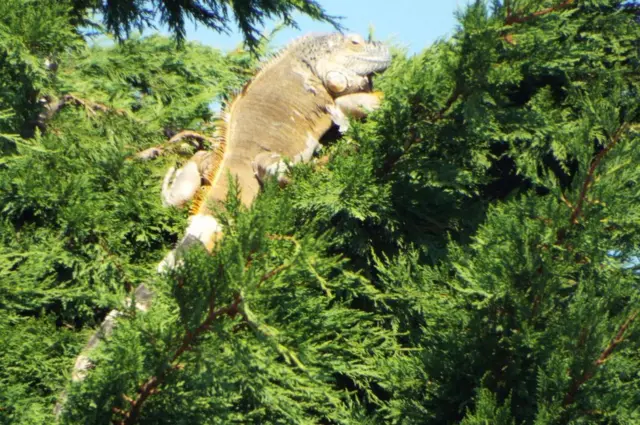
x,y
468,255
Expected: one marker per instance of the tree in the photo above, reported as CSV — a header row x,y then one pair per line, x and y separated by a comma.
x,y
467,256
122,16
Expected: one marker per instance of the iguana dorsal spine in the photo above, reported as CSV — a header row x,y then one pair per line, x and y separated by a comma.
x,y
281,114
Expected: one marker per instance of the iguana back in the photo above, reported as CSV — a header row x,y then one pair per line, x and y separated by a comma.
x,y
281,113
277,112
280,116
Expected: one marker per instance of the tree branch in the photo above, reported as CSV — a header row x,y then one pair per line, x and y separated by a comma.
x,y
566,201
592,169
156,151
51,108
284,266
617,340
273,272
606,353
413,139
513,19
69,99
448,104
151,385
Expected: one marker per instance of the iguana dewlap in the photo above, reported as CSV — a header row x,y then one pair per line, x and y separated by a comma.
x,y
279,116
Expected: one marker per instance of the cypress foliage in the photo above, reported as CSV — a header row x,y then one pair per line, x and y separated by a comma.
x,y
81,223
121,17
468,255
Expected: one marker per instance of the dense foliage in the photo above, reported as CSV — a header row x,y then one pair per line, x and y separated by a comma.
x,y
469,254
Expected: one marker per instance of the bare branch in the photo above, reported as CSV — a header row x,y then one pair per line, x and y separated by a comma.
x,y
91,107
51,108
156,151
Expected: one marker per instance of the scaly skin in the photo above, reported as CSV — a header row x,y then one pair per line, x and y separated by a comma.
x,y
279,116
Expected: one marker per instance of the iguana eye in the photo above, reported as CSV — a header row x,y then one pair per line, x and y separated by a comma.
x,y
356,39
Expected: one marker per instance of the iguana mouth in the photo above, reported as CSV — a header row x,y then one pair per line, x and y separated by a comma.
x,y
364,65
375,57
370,59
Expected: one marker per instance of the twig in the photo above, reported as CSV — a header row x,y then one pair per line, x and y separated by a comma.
x,y
155,151
273,272
566,201
413,139
281,267
448,104
116,262
513,19
594,164
230,310
291,239
617,340
606,353
51,108
151,385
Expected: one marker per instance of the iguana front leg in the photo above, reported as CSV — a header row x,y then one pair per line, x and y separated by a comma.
x,y
359,105
268,164
204,229
355,105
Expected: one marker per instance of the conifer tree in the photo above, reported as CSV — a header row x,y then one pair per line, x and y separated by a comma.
x,y
121,17
469,255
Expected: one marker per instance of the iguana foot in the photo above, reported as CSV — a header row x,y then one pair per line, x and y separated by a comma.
x,y
187,180
343,81
268,164
150,153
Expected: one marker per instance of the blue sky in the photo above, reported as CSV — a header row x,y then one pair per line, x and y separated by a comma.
x,y
411,23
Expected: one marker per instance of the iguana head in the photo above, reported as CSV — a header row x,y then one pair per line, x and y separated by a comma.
x,y
344,62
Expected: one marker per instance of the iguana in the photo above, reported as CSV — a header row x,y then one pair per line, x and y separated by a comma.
x,y
279,116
